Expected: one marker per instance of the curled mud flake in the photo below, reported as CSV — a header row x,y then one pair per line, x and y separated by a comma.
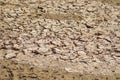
x,y
16,47
56,51
117,48
88,26
65,58
108,39
10,54
36,52
82,61
117,54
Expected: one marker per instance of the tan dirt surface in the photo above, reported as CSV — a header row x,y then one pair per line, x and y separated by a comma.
x,y
60,40
11,70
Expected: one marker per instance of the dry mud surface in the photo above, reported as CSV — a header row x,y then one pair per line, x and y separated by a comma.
x,y
11,70
59,40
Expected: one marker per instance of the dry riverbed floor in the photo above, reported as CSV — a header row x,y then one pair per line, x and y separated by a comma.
x,y
58,40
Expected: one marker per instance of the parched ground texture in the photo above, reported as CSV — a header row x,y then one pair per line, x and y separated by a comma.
x,y
12,70
81,37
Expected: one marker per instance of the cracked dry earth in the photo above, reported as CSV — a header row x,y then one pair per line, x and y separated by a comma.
x,y
58,40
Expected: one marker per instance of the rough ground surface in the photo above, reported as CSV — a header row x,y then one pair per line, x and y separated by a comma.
x,y
12,70
82,36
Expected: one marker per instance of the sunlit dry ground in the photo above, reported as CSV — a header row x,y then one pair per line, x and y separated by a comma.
x,y
11,70
64,40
